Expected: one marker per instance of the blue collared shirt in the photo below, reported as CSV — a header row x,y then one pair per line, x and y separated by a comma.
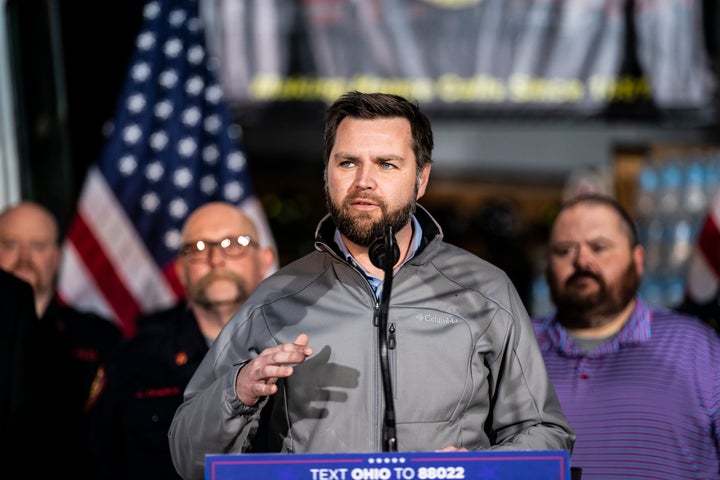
x,y
375,282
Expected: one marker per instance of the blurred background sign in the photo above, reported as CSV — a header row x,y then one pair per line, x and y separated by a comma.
x,y
478,57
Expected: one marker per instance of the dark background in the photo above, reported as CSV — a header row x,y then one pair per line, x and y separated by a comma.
x,y
495,183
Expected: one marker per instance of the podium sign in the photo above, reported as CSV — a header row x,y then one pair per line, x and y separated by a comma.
x,y
483,465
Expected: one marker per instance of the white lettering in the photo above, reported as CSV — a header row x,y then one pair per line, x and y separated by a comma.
x,y
370,473
405,473
328,473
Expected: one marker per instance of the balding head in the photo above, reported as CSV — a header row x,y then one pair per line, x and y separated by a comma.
x,y
217,220
221,264
29,248
30,217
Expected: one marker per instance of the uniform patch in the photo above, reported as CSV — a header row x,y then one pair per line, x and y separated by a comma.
x,y
181,359
96,388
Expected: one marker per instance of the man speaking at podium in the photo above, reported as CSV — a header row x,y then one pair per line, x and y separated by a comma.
x,y
309,365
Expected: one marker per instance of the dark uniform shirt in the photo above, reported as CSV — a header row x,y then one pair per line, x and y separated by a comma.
x,y
144,386
18,334
74,345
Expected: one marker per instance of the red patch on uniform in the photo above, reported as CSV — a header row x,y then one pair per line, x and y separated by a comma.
x,y
86,354
181,358
157,392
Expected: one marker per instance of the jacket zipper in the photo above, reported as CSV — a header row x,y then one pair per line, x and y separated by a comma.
x,y
392,354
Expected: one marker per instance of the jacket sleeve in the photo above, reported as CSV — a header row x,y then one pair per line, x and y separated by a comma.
x,y
211,417
526,413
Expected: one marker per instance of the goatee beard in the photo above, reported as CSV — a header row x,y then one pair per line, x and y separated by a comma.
x,y
576,310
360,228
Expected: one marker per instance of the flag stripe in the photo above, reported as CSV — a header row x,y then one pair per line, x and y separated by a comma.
x,y
709,243
78,285
124,249
111,286
703,275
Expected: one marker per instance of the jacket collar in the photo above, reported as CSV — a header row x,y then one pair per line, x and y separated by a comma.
x,y
325,232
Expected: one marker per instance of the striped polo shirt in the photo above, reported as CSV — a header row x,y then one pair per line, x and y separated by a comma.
x,y
645,404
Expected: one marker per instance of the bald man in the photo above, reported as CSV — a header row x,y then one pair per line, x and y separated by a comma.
x,y
73,344
220,264
29,249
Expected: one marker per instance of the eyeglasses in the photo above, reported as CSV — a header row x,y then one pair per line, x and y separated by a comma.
x,y
236,247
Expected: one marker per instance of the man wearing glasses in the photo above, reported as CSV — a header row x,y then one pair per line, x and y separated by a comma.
x,y
219,266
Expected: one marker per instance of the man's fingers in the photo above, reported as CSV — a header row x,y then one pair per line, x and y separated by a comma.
x,y
271,373
265,389
260,375
289,353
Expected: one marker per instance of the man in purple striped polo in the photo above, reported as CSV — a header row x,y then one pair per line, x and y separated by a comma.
x,y
640,385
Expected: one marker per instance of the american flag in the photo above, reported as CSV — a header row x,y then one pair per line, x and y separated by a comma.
x,y
703,275
172,147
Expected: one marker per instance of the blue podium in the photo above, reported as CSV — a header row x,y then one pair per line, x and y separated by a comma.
x,y
487,465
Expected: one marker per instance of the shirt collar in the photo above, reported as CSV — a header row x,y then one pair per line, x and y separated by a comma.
x,y
375,282
636,331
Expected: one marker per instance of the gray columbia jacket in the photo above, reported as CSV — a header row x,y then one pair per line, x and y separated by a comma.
x,y
466,368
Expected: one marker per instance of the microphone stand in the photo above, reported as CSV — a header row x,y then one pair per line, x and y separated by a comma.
x,y
385,258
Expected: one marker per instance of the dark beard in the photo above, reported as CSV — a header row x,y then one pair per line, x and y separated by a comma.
x,y
360,228
198,292
579,310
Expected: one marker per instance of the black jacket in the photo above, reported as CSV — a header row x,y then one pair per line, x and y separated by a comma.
x,y
143,388
18,334
73,346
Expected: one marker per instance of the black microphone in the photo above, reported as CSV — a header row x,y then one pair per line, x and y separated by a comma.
x,y
379,248
384,253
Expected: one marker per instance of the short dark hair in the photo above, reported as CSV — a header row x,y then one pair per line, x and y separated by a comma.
x,y
371,106
603,199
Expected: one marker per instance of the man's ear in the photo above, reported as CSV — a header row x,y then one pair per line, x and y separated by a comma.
x,y
57,258
424,178
267,259
638,256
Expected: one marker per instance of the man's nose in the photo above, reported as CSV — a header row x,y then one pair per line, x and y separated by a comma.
x,y
24,251
216,255
364,178
583,257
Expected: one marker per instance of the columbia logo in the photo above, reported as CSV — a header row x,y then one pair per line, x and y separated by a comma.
x,y
435,318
